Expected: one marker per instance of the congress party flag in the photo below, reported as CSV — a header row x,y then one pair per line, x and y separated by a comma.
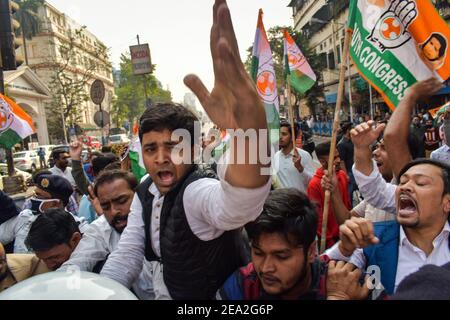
x,y
15,124
396,43
297,69
263,73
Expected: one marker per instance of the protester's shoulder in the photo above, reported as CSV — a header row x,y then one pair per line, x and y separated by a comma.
x,y
26,214
239,282
100,225
342,175
18,263
304,154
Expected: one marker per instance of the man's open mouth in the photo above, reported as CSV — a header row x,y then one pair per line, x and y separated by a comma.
x,y
407,206
166,178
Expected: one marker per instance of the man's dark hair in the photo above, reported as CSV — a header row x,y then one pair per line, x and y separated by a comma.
x,y
346,127
287,212
101,162
106,149
58,152
441,40
111,176
96,154
445,168
170,116
52,228
323,149
414,146
286,124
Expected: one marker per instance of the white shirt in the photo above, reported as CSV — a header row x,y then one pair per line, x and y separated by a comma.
x,y
16,229
66,174
369,212
375,190
211,206
98,241
410,258
288,175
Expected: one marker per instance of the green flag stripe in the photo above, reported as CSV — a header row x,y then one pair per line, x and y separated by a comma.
x,y
385,71
9,138
301,83
137,170
255,68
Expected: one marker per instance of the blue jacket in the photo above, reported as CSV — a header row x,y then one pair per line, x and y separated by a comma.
x,y
385,253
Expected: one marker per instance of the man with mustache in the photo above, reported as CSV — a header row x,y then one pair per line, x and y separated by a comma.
x,y
419,236
115,192
375,190
284,264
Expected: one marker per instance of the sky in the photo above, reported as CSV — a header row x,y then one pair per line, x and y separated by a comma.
x,y
176,30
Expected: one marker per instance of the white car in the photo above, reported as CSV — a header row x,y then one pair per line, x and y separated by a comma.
x,y
119,139
26,161
4,172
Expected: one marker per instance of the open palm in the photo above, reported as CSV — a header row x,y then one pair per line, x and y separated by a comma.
x,y
364,135
234,102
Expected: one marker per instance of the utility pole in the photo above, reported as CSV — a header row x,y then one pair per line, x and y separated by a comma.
x,y
143,77
350,98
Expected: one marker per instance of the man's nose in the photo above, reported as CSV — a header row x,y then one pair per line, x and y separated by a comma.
x,y
161,157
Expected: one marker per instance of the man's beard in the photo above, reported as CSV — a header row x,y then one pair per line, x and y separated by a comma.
x,y
300,280
117,219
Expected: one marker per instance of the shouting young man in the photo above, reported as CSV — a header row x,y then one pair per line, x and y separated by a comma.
x,y
184,220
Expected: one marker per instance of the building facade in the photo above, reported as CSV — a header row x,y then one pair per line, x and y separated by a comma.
x,y
323,22
44,51
30,93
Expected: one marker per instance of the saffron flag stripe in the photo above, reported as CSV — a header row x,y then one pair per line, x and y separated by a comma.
x,y
263,73
15,124
297,69
389,45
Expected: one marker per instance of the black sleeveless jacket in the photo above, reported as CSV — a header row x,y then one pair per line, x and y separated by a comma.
x,y
192,269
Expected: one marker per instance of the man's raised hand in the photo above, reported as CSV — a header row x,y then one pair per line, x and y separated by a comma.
x,y
364,134
356,233
234,102
76,148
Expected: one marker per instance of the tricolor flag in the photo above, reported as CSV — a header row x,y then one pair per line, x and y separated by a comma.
x,y
396,43
15,124
137,163
297,69
263,73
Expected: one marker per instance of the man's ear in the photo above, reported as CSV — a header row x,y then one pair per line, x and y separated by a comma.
x,y
446,202
76,238
323,163
312,252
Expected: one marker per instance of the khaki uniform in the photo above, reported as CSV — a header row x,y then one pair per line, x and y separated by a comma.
x,y
22,267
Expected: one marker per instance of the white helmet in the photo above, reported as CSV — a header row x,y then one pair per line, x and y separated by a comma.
x,y
68,286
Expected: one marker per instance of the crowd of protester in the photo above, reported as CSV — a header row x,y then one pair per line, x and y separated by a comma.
x,y
191,232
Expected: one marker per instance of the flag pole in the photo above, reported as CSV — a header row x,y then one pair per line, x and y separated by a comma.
x,y
334,138
291,111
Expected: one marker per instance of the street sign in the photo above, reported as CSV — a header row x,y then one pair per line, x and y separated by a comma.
x,y
141,59
149,103
97,92
101,118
